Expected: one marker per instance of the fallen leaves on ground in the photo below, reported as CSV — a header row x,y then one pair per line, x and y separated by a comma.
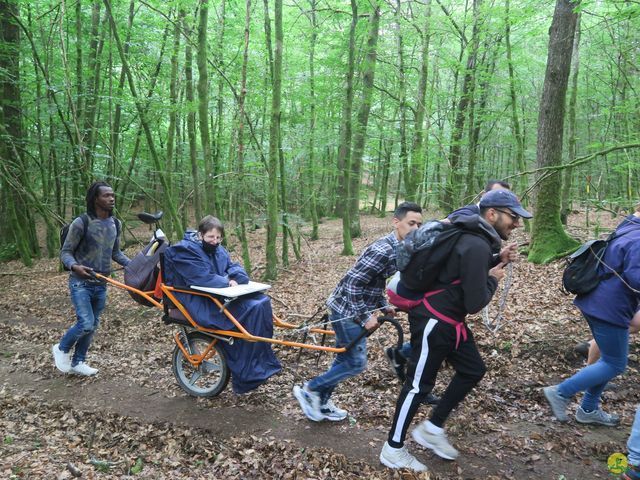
x,y
503,428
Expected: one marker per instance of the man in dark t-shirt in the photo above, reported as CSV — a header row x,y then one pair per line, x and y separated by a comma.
x,y
91,243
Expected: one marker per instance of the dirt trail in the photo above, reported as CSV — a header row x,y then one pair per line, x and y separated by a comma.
x,y
149,406
356,443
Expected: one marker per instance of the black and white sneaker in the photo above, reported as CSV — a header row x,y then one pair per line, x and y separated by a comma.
x,y
331,412
397,362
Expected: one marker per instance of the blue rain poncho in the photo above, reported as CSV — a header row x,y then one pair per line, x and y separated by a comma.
x,y
186,264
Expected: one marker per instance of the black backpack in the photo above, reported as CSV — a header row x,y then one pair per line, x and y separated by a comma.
x,y
581,275
421,255
64,231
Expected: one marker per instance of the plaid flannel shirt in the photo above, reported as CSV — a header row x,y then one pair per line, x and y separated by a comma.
x,y
362,289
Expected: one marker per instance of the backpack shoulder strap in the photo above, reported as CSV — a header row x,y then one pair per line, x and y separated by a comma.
x,y
85,226
85,223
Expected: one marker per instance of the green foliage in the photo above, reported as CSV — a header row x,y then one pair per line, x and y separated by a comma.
x,y
8,252
53,108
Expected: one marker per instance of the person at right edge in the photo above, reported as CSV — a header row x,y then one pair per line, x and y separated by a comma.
x,y
468,281
608,310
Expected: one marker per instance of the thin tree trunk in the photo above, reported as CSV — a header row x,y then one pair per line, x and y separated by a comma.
x,y
362,118
240,203
191,125
386,168
217,160
91,95
274,135
210,183
168,200
344,150
416,161
518,136
452,190
117,116
402,104
572,130
313,207
173,114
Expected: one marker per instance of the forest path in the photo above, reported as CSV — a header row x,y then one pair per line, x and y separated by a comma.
x,y
150,406
503,429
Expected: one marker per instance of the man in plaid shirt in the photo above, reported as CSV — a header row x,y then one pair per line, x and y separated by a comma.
x,y
353,306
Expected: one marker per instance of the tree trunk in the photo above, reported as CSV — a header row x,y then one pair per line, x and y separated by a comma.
x,y
454,182
173,115
117,116
168,200
384,182
548,238
518,136
19,219
344,149
416,160
402,106
191,125
91,94
210,183
313,207
240,193
217,160
362,119
476,118
567,174
274,135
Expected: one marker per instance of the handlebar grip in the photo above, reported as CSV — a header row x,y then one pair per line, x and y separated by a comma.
x,y
366,333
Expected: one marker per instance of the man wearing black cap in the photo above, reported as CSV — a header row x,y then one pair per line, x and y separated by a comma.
x,y
438,330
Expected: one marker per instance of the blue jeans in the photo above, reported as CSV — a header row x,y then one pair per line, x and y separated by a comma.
x,y
345,365
88,298
614,349
633,444
405,350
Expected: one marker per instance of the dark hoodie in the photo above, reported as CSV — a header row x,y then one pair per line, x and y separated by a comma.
x,y
470,261
612,301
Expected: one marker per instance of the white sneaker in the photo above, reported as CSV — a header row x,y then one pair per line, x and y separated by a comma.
x,y
436,442
400,458
83,369
331,412
309,402
61,359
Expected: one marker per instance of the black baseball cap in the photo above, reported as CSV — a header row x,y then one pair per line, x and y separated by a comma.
x,y
503,199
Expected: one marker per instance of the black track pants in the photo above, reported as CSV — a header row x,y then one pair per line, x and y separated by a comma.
x,y
433,341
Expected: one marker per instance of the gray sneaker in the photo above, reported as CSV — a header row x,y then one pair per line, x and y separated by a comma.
x,y
557,402
438,443
400,458
309,402
597,417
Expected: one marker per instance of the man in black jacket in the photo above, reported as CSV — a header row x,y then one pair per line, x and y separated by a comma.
x,y
438,330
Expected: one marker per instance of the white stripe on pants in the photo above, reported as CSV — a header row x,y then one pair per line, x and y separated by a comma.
x,y
415,386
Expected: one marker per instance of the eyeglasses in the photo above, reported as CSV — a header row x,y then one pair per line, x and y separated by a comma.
x,y
514,216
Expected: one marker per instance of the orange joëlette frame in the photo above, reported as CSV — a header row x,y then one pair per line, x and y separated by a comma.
x,y
241,332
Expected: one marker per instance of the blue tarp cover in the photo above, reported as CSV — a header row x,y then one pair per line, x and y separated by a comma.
x,y
186,263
